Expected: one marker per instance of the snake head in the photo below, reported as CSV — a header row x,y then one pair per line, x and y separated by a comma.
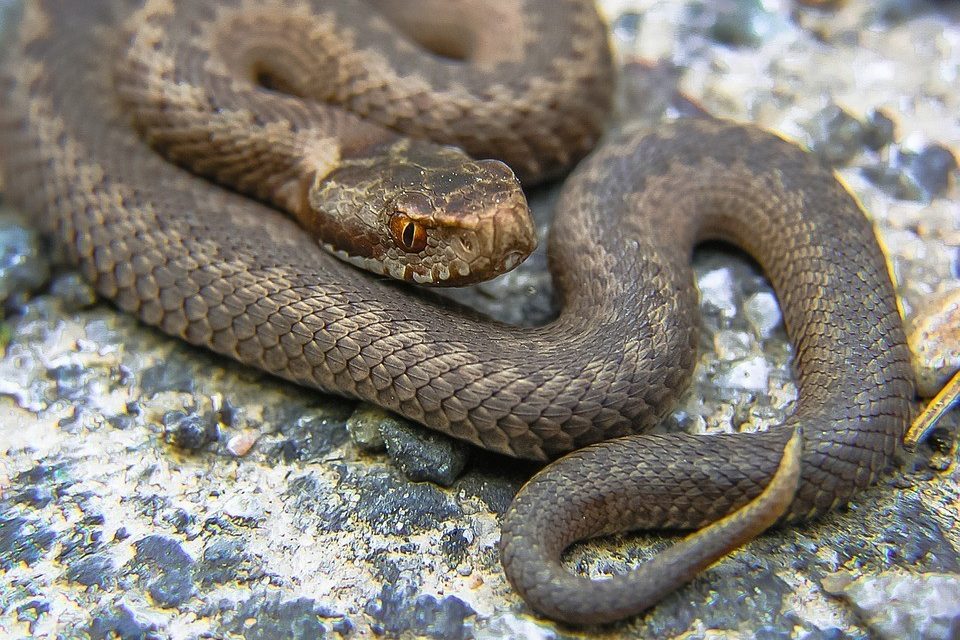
x,y
423,213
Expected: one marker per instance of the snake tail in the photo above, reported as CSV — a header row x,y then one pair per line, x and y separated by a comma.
x,y
555,592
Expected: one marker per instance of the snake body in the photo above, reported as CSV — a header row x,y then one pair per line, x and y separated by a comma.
x,y
224,271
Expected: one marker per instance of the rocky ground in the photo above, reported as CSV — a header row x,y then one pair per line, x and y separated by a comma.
x,y
150,489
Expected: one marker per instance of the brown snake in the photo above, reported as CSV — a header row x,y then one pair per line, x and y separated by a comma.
x,y
224,271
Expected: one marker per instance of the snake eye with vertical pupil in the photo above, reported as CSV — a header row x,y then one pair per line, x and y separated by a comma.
x,y
409,235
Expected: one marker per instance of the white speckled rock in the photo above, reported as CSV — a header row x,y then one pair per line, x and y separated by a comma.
x,y
897,605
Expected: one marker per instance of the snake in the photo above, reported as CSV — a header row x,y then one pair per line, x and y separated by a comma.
x,y
194,161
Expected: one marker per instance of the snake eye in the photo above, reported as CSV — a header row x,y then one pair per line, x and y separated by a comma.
x,y
411,236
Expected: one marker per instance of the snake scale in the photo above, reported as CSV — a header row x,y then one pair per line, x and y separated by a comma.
x,y
279,100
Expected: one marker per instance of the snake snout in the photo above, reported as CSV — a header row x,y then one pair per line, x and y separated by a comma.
x,y
492,211
515,236
503,238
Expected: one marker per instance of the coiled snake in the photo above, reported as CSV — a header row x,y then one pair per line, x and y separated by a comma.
x,y
307,105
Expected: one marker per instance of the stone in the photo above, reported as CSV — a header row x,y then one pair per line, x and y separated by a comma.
x,y
23,269
763,313
190,431
73,292
897,605
933,168
423,455
934,339
364,428
881,130
835,135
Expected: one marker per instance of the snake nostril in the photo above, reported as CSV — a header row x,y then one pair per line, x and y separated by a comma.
x,y
511,260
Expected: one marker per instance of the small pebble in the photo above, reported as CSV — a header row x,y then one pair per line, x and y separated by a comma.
x,y
72,381
880,130
731,345
894,12
190,431
240,444
748,375
934,340
423,455
932,168
737,22
651,90
32,611
364,428
23,269
763,313
73,292
717,291
626,27
898,605
893,181
229,414
171,589
121,421
835,136
919,176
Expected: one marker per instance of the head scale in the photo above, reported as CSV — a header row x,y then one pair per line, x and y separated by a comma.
x,y
423,213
